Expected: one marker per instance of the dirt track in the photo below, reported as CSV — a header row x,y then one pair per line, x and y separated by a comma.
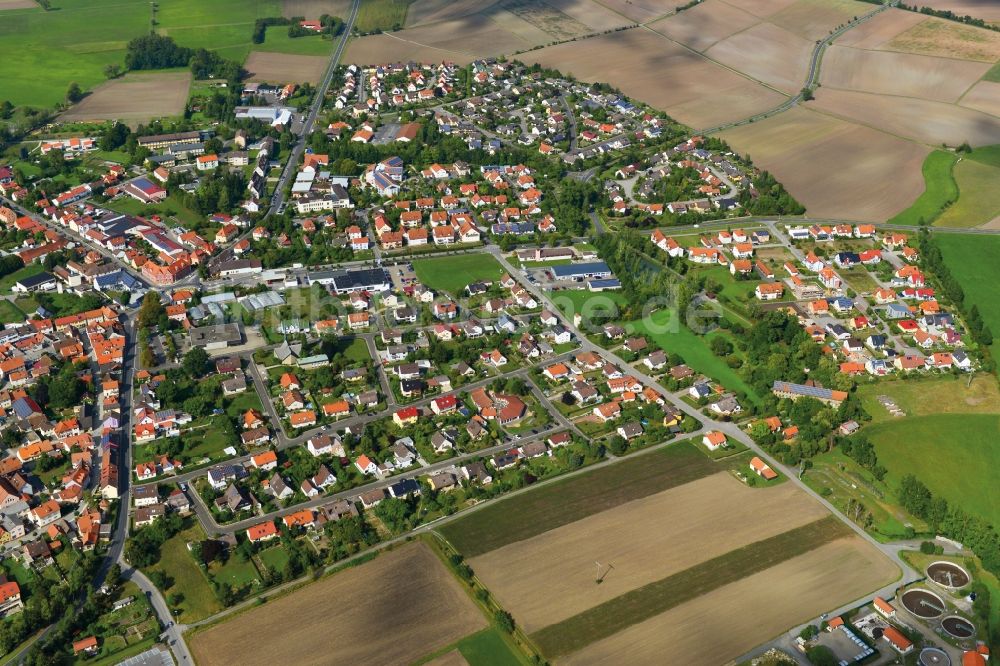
x,y
549,578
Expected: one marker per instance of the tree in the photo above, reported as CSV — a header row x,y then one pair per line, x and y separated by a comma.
x,y
6,110
504,620
75,93
195,363
113,71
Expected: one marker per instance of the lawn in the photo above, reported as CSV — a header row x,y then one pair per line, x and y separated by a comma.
x,y
176,562
383,15
979,197
941,449
454,273
694,349
940,189
278,41
993,74
561,502
973,262
274,558
10,313
169,207
236,573
591,305
8,280
612,616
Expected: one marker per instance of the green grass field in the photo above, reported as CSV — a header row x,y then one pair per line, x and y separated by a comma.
x,y
940,188
199,600
933,395
979,200
278,41
693,349
973,262
612,616
453,274
842,481
169,207
993,74
955,455
381,15
10,314
532,513
8,280
592,305
489,647
45,51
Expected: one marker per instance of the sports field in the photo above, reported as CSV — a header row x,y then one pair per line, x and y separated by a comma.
x,y
941,448
454,273
550,577
555,504
940,190
392,610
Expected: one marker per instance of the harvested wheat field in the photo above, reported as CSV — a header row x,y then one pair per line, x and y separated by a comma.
x,y
661,73
750,611
814,19
888,73
921,120
984,96
285,68
385,48
834,167
313,9
134,98
705,24
767,53
641,11
590,13
988,10
494,31
876,31
761,8
392,610
550,577
17,4
430,11
934,36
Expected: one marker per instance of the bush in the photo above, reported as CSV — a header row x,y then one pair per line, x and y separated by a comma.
x,y
927,547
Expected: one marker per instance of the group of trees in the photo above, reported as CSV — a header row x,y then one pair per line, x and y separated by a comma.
x,y
154,51
144,546
952,521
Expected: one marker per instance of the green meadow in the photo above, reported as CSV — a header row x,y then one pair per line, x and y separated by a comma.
x,y
46,50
